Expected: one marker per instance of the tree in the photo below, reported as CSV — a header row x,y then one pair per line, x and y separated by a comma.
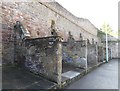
x,y
106,26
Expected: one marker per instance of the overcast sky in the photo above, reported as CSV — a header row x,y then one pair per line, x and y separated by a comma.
x,y
119,16
97,11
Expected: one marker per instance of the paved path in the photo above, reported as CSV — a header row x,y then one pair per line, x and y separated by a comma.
x,y
104,77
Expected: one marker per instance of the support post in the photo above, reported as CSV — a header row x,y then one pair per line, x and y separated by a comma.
x,y
106,44
59,60
86,56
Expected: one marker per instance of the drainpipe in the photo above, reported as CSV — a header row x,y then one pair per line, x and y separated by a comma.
x,y
106,44
86,57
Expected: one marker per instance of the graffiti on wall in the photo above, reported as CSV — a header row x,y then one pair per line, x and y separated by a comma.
x,y
74,51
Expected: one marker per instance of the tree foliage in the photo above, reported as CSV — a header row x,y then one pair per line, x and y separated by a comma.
x,y
107,27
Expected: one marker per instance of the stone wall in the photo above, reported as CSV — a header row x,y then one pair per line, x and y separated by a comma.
x,y
92,54
100,54
114,49
74,53
104,53
112,43
42,56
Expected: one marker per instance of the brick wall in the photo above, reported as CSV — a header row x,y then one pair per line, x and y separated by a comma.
x,y
36,17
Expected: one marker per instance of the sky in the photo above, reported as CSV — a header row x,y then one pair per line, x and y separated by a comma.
x,y
97,11
119,15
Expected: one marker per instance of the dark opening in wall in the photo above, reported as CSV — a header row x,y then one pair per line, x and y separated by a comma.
x,y
88,41
38,33
92,41
53,30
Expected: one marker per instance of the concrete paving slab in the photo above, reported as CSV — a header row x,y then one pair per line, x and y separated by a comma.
x,y
79,70
64,79
70,74
17,78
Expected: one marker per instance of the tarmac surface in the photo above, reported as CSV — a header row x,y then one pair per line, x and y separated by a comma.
x,y
119,74
17,78
104,77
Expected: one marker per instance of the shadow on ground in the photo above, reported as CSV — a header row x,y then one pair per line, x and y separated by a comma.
x,y
17,78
